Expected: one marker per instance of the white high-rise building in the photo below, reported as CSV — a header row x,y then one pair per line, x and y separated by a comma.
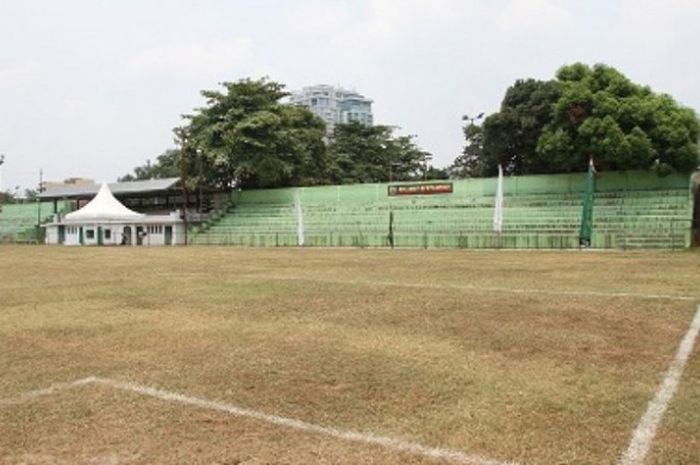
x,y
334,105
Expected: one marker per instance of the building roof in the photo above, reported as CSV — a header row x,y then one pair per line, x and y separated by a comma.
x,y
118,188
103,207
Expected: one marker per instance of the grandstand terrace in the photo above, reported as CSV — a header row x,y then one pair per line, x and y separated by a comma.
x,y
18,222
631,210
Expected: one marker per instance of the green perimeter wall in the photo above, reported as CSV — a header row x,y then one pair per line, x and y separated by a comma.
x,y
476,187
18,220
632,209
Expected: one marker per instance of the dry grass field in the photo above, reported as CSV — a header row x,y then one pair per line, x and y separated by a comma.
x,y
492,357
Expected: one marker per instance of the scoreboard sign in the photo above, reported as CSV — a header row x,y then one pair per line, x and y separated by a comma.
x,y
420,189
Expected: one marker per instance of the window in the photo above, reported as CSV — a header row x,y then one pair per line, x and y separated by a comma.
x,y
108,233
89,233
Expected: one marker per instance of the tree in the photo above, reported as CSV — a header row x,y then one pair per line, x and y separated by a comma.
x,y
366,154
471,162
622,125
509,137
165,166
557,126
6,197
245,137
30,194
434,174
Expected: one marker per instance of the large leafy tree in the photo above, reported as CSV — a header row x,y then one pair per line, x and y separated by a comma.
x,y
623,125
471,163
245,137
509,137
556,126
360,153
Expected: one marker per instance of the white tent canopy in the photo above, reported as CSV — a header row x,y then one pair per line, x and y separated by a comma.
x,y
103,208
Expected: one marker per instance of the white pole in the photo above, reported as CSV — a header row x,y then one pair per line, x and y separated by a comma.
x,y
498,207
300,216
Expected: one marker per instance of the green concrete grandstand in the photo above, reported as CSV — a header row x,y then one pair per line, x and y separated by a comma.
x,y
18,221
631,210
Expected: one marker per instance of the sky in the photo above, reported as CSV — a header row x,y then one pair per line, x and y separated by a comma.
x,y
93,88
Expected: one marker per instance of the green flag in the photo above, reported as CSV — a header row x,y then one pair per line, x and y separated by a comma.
x,y
587,215
390,237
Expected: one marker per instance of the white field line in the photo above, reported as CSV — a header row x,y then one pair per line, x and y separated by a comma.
x,y
565,292
396,444
635,454
53,389
299,425
644,434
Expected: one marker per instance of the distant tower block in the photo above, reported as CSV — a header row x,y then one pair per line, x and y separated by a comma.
x,y
335,105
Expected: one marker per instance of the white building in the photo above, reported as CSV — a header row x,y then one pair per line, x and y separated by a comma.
x,y
106,221
334,105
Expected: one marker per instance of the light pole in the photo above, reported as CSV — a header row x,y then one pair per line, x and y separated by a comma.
x,y
38,199
2,160
183,181
472,119
426,158
471,151
199,179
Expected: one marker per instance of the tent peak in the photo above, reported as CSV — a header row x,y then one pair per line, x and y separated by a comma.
x,y
103,207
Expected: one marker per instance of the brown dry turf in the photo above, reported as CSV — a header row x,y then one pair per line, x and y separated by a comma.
x,y
418,345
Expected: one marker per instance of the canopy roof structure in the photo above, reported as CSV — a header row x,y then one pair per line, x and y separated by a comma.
x,y
103,208
122,189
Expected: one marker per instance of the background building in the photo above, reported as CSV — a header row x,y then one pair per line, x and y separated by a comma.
x,y
334,104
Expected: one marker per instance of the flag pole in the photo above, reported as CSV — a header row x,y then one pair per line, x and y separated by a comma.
x,y
498,207
498,204
586,231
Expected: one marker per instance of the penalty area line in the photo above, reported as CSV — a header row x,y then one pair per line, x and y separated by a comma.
x,y
53,389
645,432
396,444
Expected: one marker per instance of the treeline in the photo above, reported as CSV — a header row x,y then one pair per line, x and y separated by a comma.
x,y
244,136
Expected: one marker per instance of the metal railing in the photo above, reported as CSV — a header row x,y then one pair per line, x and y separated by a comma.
x,y
688,228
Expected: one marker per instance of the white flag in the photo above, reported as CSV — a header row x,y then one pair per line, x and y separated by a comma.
x,y
498,207
300,217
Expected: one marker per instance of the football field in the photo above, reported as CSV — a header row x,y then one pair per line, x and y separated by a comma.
x,y
221,355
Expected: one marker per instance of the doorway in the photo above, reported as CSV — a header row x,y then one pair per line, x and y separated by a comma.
x,y
168,235
139,235
126,235
61,234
